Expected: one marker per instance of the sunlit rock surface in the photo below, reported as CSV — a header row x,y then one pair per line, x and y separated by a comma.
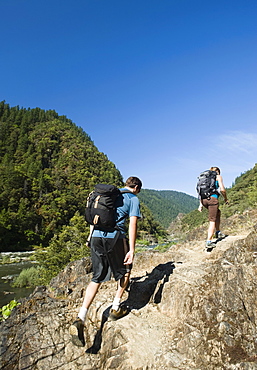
x,y
190,309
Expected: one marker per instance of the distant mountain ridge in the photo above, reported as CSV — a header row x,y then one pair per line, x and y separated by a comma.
x,y
165,205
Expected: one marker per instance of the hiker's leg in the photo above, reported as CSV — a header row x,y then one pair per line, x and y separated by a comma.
x,y
76,330
120,271
214,216
122,285
217,222
91,292
100,270
121,248
211,230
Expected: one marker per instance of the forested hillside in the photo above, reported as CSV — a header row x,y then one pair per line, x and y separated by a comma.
x,y
243,194
48,166
167,204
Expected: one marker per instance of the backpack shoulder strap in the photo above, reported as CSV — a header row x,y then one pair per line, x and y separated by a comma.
x,y
125,191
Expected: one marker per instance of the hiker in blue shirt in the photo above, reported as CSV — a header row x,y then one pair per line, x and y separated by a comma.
x,y
118,260
212,204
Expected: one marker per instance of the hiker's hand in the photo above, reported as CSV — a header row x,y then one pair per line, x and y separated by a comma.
x,y
226,202
200,208
129,258
88,243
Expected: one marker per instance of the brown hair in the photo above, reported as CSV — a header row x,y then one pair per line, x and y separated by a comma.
x,y
133,181
216,169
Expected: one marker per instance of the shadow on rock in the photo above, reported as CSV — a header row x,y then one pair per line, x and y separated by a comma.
x,y
98,337
215,242
143,289
219,239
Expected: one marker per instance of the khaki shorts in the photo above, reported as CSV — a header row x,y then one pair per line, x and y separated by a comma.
x,y
212,205
108,259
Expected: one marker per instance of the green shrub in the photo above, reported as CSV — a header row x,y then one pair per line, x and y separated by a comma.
x,y
28,278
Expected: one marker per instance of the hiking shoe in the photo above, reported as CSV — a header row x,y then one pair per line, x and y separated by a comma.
x,y
77,333
210,244
220,235
121,312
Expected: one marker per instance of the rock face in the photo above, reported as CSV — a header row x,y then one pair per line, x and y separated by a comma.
x,y
190,309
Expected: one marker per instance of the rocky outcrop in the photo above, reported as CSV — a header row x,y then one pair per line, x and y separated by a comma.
x,y
190,309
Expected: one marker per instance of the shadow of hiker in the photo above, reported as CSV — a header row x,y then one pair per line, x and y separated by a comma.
x,y
98,337
143,289
219,239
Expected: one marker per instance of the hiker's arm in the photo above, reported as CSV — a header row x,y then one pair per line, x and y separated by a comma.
x,y
132,240
200,208
222,188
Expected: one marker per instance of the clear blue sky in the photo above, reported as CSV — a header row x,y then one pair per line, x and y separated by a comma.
x,y
165,88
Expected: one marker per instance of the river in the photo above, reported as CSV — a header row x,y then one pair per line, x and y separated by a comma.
x,y
7,273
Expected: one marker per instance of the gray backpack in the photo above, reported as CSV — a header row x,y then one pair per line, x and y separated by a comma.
x,y
206,184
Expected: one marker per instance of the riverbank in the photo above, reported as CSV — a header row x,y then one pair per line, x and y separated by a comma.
x,y
11,264
15,257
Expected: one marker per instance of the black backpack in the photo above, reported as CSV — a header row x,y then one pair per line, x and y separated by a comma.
x,y
101,207
206,185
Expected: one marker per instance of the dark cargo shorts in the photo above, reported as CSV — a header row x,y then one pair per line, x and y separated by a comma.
x,y
212,205
107,260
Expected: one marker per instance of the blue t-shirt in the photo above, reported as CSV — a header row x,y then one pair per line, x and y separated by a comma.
x,y
127,206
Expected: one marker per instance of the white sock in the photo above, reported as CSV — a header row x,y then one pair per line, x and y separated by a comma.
x,y
82,313
116,303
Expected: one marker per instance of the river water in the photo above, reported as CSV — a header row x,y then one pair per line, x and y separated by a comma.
x,y
8,272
